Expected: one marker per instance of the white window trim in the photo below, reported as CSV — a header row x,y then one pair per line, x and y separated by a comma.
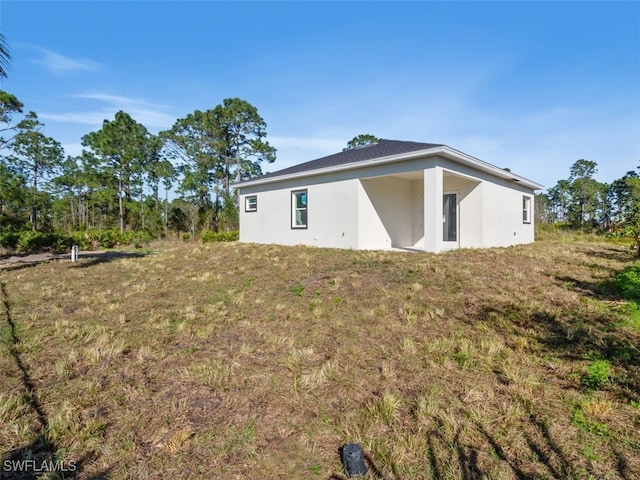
x,y
294,226
526,209
247,201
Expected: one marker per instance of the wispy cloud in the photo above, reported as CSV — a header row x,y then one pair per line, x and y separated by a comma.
x,y
60,64
144,112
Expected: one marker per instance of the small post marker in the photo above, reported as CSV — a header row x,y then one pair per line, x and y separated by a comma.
x,y
353,460
74,253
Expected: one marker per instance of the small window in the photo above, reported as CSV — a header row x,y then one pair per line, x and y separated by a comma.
x,y
526,209
299,209
251,204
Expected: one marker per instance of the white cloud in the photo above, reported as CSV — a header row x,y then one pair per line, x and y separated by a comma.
x,y
59,64
142,111
88,118
147,113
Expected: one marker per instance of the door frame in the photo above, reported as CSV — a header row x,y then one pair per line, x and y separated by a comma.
x,y
456,243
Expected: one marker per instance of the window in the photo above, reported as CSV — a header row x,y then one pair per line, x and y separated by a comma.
x,y
526,209
299,209
251,203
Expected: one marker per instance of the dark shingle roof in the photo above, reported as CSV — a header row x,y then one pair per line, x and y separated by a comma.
x,y
384,148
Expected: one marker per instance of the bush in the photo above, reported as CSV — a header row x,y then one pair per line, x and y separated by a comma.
x,y
596,374
9,239
208,236
31,242
627,283
109,238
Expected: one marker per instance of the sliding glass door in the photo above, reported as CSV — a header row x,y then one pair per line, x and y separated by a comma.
x,y
450,218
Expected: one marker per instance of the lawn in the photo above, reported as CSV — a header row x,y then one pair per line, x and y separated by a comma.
x,y
186,360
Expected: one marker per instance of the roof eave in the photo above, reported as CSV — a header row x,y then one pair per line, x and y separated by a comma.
x,y
478,164
440,150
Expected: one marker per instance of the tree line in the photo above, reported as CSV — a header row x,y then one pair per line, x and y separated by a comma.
x,y
582,202
123,176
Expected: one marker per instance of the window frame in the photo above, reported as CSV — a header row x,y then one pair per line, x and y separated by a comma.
x,y
247,200
294,209
526,209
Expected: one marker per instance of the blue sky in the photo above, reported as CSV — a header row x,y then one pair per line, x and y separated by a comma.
x,y
533,86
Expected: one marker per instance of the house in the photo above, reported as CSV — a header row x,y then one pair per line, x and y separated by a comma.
x,y
392,194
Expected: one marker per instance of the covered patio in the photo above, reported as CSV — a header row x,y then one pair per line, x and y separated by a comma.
x,y
394,210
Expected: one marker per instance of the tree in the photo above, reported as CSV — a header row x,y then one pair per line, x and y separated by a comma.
x,y
559,200
5,57
584,191
622,196
242,145
121,149
361,141
163,171
626,200
632,219
216,146
11,185
13,192
9,105
37,156
69,184
542,209
193,142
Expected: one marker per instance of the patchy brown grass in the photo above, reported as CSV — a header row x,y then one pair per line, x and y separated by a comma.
x,y
244,361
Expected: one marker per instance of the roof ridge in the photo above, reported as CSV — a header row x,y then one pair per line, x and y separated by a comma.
x,y
382,148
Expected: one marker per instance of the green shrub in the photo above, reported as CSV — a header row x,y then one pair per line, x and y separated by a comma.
x,y
627,282
9,239
109,238
208,236
596,374
579,420
32,242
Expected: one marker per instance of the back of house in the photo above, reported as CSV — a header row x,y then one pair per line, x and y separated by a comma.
x,y
391,194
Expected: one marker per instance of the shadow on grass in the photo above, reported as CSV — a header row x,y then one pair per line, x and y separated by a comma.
x,y
39,457
85,259
468,459
619,254
576,336
89,259
601,333
584,332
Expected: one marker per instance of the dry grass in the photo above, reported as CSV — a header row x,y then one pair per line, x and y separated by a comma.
x,y
244,361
